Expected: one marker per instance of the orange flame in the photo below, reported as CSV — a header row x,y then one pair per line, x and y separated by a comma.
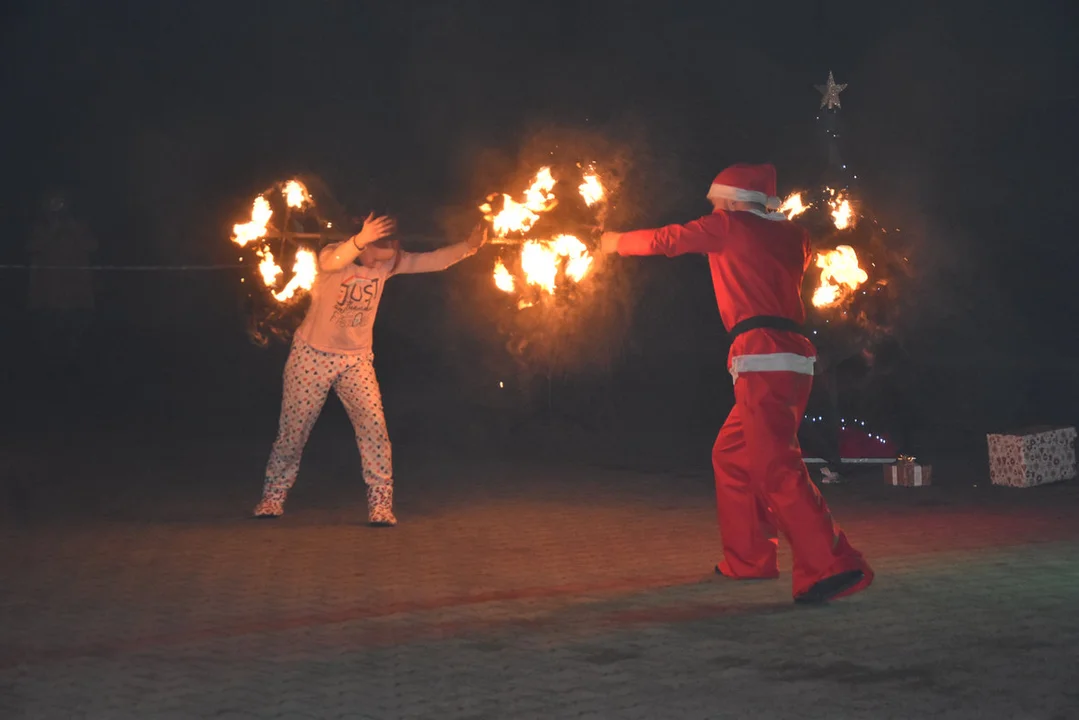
x,y
578,261
268,267
541,262
261,213
303,275
521,216
840,275
296,195
592,189
793,206
304,269
503,280
842,215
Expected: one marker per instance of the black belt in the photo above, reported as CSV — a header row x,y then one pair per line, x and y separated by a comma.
x,y
771,322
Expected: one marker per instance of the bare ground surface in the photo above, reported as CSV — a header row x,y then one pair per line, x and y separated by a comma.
x,y
518,585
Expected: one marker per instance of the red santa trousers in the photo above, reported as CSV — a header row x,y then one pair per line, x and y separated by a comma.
x,y
763,485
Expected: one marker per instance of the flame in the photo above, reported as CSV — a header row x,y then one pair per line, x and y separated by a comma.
x,y
303,272
578,261
296,194
793,206
540,192
303,275
592,189
304,269
261,213
541,261
268,267
514,217
839,270
503,280
842,215
520,216
540,264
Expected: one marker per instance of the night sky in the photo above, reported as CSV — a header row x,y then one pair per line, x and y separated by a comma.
x,y
161,120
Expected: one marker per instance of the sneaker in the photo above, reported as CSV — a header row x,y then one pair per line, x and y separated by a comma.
x,y
380,506
271,506
830,477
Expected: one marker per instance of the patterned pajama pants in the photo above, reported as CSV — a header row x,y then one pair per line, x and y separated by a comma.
x,y
309,375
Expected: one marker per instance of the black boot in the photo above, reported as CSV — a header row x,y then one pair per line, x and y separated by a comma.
x,y
829,587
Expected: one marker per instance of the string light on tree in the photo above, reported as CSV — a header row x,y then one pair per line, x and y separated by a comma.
x,y
843,292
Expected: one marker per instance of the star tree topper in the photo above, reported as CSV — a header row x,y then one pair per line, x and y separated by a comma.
x,y
830,93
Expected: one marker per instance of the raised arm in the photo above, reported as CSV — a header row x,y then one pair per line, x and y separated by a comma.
x,y
340,255
706,235
444,257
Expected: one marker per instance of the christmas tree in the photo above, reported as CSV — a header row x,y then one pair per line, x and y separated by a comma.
x,y
851,295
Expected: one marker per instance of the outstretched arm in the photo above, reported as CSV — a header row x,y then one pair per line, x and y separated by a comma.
x,y
443,258
700,236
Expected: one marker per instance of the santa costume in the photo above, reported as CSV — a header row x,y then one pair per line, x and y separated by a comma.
x,y
758,260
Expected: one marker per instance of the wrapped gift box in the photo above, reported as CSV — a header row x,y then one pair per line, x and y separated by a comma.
x,y
908,473
1030,457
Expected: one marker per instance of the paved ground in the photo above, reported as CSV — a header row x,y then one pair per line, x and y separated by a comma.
x,y
514,590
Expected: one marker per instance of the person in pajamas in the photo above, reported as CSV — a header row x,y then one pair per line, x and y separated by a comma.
x,y
332,349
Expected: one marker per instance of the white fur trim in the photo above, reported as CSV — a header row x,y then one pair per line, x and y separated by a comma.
x,y
772,362
776,216
728,192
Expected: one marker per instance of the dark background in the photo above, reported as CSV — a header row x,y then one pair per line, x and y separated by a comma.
x,y
161,120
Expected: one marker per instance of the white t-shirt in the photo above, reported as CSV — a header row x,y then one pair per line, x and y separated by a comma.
x,y
344,302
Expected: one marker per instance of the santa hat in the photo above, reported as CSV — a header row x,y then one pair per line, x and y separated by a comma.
x,y
747,183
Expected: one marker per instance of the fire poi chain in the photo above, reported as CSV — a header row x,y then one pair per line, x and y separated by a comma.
x,y
541,260
259,230
840,273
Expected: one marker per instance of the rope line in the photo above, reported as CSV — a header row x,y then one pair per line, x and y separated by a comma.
x,y
124,268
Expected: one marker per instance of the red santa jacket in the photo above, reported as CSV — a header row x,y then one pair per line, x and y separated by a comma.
x,y
758,261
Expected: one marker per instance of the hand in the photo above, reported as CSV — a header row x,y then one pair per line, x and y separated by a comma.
x,y
608,242
375,229
478,238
